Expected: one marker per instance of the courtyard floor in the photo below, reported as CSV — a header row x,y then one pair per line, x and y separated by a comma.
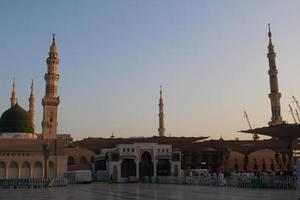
x,y
106,191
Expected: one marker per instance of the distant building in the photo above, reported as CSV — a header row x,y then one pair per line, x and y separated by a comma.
x,y
79,158
64,138
138,160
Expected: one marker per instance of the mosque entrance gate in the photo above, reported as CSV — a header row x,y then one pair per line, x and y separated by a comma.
x,y
146,167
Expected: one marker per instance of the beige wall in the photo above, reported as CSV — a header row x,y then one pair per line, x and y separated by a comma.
x,y
36,165
82,158
259,158
235,157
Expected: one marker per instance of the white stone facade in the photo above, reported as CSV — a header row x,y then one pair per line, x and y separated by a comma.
x,y
31,136
129,161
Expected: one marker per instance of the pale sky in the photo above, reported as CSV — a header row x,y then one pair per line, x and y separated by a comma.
x,y
209,56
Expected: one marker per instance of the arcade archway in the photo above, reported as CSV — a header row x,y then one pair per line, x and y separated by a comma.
x,y
37,170
13,172
25,170
163,167
51,169
2,170
128,168
146,165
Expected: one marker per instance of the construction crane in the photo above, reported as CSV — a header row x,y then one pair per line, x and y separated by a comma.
x,y
292,113
254,136
248,121
298,106
296,102
297,114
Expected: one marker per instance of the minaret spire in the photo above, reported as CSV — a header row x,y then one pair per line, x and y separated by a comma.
x,y
274,94
14,98
51,99
53,37
270,47
161,129
269,33
32,104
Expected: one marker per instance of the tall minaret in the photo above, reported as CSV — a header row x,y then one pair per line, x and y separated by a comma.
x,y
274,95
31,110
50,101
161,129
14,98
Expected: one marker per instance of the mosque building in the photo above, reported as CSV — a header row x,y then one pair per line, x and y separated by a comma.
x,y
27,154
23,154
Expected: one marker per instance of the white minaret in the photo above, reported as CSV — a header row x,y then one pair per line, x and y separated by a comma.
x,y
14,98
161,129
32,104
51,101
274,94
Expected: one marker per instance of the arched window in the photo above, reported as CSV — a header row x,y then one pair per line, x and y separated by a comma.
x,y
264,168
255,166
71,160
51,169
236,165
25,170
13,172
272,166
2,170
37,170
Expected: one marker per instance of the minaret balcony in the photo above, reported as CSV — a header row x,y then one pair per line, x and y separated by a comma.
x,y
275,95
50,76
50,101
273,72
51,61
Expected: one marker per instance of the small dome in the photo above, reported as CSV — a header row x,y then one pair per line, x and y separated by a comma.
x,y
16,120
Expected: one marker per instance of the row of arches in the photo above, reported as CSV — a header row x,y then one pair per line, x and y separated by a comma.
x,y
72,161
15,170
261,160
262,166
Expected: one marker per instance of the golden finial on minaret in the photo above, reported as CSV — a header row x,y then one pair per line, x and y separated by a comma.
x,y
53,49
271,47
160,92
32,89
269,33
53,37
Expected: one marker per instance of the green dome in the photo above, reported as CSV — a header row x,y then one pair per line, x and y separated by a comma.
x,y
16,120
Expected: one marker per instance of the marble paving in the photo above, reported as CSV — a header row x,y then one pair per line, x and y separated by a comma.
x,y
106,191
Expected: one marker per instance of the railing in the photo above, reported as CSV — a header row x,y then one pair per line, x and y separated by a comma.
x,y
70,177
32,183
245,181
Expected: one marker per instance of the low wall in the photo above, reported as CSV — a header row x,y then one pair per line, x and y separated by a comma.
x,y
267,181
32,183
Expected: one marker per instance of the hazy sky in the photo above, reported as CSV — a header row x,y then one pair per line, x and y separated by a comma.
x,y
209,56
